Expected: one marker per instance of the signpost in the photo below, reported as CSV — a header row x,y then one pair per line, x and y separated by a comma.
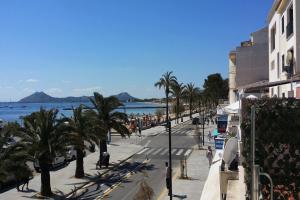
x,y
219,143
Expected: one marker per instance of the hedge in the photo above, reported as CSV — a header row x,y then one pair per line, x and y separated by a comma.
x,y
277,145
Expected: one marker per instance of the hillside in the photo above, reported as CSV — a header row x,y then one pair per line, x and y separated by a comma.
x,y
41,97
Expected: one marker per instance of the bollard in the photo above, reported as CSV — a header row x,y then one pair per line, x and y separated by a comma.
x,y
183,168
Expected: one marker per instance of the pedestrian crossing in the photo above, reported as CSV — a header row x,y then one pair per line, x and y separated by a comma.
x,y
180,152
180,132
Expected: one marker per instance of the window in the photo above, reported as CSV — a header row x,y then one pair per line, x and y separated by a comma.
x,y
273,33
282,25
290,22
272,92
272,65
282,62
278,66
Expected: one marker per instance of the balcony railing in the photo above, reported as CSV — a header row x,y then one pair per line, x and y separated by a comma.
x,y
289,29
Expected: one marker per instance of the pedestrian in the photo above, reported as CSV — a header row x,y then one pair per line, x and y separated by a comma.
x,y
168,177
209,135
106,157
23,182
209,155
26,182
140,131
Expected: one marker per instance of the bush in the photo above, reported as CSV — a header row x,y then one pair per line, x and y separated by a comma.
x,y
277,144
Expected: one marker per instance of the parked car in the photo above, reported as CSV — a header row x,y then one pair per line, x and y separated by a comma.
x,y
72,153
59,160
198,120
195,120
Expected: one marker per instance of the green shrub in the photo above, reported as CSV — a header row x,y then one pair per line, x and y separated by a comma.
x,y
277,144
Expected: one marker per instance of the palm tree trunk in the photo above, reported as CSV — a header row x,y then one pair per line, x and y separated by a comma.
x,y
45,178
177,113
190,108
79,173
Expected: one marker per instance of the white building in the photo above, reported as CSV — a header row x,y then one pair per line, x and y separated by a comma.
x,y
284,47
248,63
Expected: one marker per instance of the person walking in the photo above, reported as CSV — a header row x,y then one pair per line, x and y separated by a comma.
x,y
209,136
140,131
209,155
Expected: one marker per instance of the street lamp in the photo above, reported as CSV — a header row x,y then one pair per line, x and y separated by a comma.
x,y
289,69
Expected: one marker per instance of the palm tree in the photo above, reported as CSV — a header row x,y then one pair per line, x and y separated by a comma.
x,y
45,136
178,91
190,93
166,81
81,131
104,115
13,157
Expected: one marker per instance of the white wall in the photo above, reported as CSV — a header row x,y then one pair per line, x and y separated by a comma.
x,y
282,46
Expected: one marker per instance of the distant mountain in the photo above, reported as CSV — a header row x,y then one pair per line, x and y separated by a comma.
x,y
41,97
125,97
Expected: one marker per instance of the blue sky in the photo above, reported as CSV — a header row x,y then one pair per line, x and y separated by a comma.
x,y
74,47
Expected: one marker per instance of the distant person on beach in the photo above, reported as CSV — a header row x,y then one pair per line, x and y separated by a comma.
x,y
209,155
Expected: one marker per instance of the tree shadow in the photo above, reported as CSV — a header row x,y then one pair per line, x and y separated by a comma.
x,y
117,175
58,195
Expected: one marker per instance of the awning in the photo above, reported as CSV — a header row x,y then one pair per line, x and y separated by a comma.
x,y
234,108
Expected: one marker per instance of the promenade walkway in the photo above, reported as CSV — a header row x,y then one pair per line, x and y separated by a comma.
x,y
197,172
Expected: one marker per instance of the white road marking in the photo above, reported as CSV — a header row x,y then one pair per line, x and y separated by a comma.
x,y
150,151
156,152
148,142
187,152
173,151
146,149
165,151
179,152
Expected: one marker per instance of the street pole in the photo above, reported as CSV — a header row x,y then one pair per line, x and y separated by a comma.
x,y
203,124
291,74
254,188
170,146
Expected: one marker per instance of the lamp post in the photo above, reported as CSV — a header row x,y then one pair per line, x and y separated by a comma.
x,y
203,124
170,143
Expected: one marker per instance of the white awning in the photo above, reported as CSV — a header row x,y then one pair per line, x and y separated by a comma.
x,y
232,108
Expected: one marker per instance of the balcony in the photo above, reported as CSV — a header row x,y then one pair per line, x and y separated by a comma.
x,y
289,29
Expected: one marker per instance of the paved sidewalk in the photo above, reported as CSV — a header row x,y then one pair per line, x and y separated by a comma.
x,y
197,171
63,181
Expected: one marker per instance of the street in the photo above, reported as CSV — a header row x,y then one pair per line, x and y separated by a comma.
x,y
148,164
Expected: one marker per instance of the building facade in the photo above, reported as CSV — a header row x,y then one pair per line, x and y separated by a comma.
x,y
284,44
248,63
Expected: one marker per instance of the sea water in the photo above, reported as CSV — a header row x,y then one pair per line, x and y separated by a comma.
x,y
14,111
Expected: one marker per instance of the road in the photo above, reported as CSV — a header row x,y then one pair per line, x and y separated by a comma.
x,y
148,165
